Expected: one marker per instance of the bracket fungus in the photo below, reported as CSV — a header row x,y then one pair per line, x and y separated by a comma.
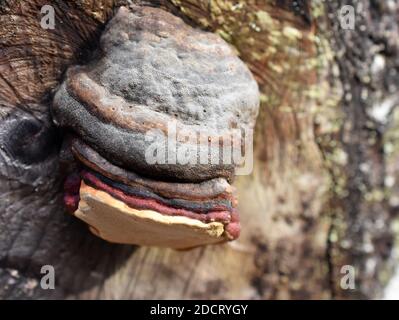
x,y
152,73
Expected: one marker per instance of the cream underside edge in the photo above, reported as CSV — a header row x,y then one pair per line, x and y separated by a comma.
x,y
114,221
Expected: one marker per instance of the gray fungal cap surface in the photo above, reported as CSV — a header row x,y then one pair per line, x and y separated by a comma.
x,y
153,72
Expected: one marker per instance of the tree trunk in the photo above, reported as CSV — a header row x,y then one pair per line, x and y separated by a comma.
x,y
322,193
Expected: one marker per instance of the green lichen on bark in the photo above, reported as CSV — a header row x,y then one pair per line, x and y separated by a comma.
x,y
360,216
272,46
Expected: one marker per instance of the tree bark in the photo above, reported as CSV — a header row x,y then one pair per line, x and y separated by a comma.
x,y
318,197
